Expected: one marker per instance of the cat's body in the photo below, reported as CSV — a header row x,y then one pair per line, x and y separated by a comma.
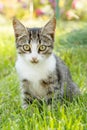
x,y
42,74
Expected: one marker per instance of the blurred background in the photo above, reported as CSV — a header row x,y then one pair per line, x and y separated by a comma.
x,y
27,9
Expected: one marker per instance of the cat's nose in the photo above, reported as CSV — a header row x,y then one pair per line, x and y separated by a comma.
x,y
34,60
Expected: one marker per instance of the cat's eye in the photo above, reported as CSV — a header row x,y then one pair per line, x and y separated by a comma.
x,y
42,48
26,47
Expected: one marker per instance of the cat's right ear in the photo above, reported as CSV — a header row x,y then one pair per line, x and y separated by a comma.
x,y
19,28
49,28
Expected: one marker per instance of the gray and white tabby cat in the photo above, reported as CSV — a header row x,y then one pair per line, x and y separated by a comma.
x,y
42,74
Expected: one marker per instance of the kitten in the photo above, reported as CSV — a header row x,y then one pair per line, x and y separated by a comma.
x,y
42,74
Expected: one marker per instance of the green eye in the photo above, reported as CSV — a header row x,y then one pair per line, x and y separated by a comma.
x,y
26,47
42,48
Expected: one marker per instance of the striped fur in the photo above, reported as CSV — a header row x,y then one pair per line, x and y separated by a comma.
x,y
42,74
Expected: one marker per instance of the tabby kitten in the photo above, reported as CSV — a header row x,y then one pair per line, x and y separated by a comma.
x,y
42,74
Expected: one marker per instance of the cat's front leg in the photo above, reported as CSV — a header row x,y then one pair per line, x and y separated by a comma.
x,y
26,100
54,95
26,96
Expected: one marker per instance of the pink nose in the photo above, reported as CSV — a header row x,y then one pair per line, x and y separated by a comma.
x,y
34,60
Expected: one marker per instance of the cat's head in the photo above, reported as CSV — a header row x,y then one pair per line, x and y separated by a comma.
x,y
34,44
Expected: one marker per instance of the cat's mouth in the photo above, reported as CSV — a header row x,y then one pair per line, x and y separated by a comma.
x,y
34,61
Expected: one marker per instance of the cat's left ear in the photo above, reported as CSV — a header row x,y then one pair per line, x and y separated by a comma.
x,y
49,28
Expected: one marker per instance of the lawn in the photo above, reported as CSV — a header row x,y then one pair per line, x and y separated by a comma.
x,y
71,46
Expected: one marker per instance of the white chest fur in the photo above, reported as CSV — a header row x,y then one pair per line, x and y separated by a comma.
x,y
34,73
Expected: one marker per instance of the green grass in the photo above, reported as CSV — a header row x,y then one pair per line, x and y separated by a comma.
x,y
68,116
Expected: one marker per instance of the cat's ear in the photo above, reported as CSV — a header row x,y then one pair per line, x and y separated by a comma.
x,y
19,28
49,28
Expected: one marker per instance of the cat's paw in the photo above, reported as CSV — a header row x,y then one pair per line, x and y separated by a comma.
x,y
25,106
